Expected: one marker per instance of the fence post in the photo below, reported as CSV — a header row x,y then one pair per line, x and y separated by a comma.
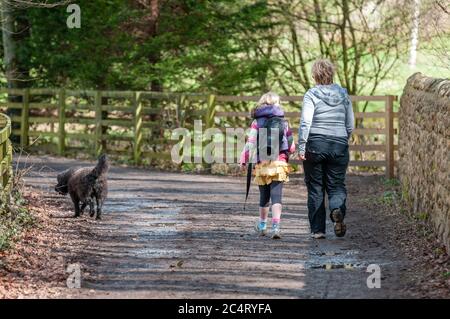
x,y
180,108
3,155
137,127
389,119
210,111
98,122
24,122
9,172
61,122
209,122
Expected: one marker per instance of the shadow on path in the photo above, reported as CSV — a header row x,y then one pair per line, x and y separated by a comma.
x,y
186,236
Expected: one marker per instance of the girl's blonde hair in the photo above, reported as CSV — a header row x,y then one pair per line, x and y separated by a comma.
x,y
323,71
270,98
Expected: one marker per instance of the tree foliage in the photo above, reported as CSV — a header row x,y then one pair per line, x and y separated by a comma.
x,y
225,46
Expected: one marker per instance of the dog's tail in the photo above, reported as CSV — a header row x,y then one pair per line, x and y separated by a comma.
x,y
102,166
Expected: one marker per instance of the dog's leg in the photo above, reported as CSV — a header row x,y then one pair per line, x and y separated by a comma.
x,y
76,203
91,207
83,206
99,207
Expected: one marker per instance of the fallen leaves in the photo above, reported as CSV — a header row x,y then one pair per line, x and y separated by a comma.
x,y
413,237
36,265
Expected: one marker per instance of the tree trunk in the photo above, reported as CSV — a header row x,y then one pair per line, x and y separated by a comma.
x,y
153,18
15,74
9,45
414,35
151,31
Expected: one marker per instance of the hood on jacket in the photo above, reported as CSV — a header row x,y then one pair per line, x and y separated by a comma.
x,y
332,94
268,111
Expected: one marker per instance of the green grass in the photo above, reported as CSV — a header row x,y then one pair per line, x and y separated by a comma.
x,y
392,182
396,81
388,197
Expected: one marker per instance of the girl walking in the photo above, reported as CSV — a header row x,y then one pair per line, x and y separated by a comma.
x,y
269,144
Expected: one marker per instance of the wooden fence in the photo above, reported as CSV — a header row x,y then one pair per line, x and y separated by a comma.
x,y
139,124
5,158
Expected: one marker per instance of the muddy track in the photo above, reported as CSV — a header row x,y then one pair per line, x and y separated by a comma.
x,y
186,236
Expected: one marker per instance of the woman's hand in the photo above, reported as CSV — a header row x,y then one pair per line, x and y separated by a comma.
x,y
301,157
242,167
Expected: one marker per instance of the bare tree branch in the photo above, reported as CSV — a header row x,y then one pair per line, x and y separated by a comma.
x,y
444,8
23,4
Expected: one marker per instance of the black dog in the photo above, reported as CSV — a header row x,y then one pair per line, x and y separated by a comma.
x,y
85,185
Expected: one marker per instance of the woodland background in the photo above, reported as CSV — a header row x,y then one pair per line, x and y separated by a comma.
x,y
229,47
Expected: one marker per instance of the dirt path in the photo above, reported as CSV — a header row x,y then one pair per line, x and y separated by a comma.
x,y
185,236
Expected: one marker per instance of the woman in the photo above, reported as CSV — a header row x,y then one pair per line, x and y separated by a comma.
x,y
325,127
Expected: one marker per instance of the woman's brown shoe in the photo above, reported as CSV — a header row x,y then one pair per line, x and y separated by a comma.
x,y
338,219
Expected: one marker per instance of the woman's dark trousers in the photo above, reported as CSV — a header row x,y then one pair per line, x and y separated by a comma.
x,y
325,167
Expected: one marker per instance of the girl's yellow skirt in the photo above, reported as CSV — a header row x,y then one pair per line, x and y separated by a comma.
x,y
268,171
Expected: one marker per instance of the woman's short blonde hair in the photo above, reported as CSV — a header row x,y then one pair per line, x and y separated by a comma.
x,y
323,71
270,98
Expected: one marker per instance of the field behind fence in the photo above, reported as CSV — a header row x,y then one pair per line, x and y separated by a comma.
x,y
137,126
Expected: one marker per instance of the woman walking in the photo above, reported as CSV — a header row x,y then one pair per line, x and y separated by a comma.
x,y
326,124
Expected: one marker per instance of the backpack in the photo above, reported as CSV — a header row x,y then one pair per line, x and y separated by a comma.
x,y
267,140
267,147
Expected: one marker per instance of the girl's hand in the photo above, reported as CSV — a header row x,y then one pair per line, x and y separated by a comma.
x,y
301,157
242,167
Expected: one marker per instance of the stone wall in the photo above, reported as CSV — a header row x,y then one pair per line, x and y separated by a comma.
x,y
424,149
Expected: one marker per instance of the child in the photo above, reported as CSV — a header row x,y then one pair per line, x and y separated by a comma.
x,y
270,173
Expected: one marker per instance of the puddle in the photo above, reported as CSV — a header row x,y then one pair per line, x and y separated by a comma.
x,y
329,260
154,252
336,266
136,204
346,259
